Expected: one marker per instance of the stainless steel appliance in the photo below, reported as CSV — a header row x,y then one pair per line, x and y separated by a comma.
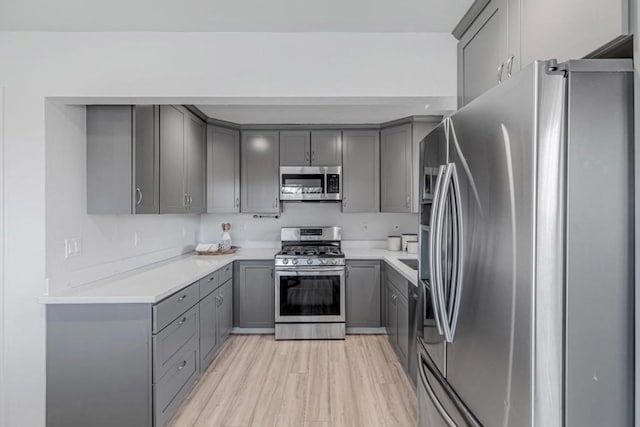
x,y
310,183
310,284
526,253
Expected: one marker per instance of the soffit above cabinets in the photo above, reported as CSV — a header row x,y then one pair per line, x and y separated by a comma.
x,y
234,16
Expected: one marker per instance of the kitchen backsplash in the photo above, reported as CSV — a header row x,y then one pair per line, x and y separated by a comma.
x,y
368,226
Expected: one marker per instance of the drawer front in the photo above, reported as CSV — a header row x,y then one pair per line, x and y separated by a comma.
x,y
170,308
209,283
397,280
169,392
226,273
168,344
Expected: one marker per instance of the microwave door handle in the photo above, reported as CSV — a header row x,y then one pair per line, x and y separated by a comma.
x,y
432,248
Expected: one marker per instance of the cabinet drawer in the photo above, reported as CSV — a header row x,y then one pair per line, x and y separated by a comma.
x,y
173,387
226,273
397,280
168,344
209,283
170,308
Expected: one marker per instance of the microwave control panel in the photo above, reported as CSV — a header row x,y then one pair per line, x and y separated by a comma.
x,y
333,183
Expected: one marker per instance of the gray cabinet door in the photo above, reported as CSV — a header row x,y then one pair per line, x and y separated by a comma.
x,y
326,148
484,50
397,167
361,171
256,294
195,148
109,155
260,189
223,170
172,160
208,329
225,311
146,190
363,294
402,311
295,148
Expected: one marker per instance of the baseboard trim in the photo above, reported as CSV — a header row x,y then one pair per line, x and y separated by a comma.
x,y
253,331
366,331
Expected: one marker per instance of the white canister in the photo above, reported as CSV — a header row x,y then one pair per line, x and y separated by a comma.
x,y
394,243
406,238
412,247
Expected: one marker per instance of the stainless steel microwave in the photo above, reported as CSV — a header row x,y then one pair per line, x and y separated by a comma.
x,y
310,183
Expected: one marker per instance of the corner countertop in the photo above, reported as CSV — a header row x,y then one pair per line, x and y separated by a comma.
x,y
155,282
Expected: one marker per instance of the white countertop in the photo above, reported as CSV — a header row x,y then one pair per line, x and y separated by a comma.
x,y
157,281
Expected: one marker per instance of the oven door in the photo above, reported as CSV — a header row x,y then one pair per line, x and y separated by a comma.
x,y
315,294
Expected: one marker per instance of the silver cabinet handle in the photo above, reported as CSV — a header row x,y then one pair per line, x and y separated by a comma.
x,y
500,68
237,202
190,200
226,268
408,201
344,201
181,322
211,278
218,300
276,201
182,298
186,199
510,65
313,156
221,299
182,365
139,193
306,156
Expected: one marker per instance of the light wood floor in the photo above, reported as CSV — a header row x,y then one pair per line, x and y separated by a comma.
x,y
257,381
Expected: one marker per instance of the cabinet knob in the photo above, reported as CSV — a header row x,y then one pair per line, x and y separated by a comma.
x,y
182,298
184,319
139,193
182,365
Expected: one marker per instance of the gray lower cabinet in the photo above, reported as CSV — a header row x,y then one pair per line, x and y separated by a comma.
x,y
223,170
361,171
363,294
133,364
397,313
295,148
326,148
122,159
255,295
260,182
216,315
396,162
182,162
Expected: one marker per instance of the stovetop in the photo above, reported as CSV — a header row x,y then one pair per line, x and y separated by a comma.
x,y
310,256
311,250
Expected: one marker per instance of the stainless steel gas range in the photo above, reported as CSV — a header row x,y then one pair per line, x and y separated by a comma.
x,y
310,284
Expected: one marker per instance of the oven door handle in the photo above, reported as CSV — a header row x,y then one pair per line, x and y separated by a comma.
x,y
310,270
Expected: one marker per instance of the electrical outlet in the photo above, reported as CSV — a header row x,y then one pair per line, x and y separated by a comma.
x,y
365,227
72,247
396,227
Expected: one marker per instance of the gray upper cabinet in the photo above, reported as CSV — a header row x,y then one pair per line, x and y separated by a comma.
x,y
223,170
361,171
396,161
182,161
363,294
196,163
326,148
173,192
295,148
488,51
260,189
579,27
122,159
255,295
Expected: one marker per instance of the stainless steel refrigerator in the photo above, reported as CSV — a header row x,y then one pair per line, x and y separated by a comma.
x,y
526,253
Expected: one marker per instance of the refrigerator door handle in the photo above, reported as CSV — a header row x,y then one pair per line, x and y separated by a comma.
x,y
439,285
432,248
456,280
432,395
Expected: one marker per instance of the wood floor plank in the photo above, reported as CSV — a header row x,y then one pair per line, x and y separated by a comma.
x,y
257,381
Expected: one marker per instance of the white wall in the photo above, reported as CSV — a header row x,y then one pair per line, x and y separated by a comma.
x,y
172,67
110,243
246,228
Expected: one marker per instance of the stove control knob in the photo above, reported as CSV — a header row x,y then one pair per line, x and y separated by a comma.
x,y
324,261
309,261
333,261
285,261
294,261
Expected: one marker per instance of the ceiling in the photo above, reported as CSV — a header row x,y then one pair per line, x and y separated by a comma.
x,y
327,110
233,15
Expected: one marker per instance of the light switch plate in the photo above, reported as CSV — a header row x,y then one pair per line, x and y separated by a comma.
x,y
72,247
